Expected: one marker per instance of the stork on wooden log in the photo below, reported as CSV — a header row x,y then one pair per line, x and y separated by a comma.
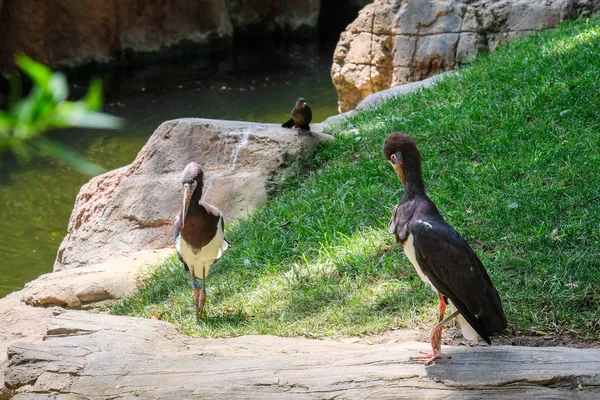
x,y
199,237
440,255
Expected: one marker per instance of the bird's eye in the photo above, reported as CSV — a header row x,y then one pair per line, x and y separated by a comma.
x,y
393,157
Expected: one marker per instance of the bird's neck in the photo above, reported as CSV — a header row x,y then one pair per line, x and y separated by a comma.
x,y
196,196
413,178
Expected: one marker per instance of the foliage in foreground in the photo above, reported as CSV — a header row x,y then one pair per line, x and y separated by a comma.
x,y
511,157
46,108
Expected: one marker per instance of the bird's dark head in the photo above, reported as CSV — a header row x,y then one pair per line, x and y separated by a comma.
x,y
301,102
192,181
402,152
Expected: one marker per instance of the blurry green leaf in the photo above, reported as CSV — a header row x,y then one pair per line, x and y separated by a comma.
x,y
70,157
23,114
91,119
6,122
60,114
93,98
45,108
39,73
42,107
59,87
4,141
19,148
79,116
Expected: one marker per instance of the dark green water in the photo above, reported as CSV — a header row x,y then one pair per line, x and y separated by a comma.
x,y
253,84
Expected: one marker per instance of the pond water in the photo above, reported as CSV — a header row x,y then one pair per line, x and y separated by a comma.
x,y
259,84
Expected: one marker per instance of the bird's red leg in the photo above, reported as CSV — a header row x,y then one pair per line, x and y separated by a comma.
x,y
435,337
200,306
442,307
436,343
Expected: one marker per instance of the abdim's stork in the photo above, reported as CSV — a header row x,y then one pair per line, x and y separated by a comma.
x,y
198,235
442,258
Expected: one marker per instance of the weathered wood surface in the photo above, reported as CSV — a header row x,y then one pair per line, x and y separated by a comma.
x,y
91,356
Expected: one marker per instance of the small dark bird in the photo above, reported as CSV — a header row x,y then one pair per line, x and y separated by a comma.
x,y
441,257
198,235
301,116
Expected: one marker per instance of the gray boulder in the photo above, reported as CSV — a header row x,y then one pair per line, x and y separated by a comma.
x,y
132,208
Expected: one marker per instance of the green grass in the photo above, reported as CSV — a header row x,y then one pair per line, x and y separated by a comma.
x,y
510,150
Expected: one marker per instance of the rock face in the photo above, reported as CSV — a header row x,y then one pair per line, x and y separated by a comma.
x,y
132,208
286,15
397,41
107,280
91,356
19,323
66,32
376,98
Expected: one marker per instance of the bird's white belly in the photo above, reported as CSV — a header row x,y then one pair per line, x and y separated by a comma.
x,y
205,257
467,330
409,250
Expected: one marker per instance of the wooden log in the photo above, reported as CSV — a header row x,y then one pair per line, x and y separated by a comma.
x,y
93,356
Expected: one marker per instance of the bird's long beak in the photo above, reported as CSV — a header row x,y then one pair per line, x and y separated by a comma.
x,y
398,167
187,197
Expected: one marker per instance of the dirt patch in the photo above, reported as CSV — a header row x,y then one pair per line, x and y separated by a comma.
x,y
453,337
551,339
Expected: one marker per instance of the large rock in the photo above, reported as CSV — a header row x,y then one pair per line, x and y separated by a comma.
x,y
87,356
19,323
132,208
107,280
393,42
24,314
377,98
67,32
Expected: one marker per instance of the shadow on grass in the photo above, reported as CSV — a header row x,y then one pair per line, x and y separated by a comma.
x,y
218,320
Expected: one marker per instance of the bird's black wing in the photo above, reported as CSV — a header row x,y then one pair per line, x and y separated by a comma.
x,y
288,124
456,271
215,212
399,222
177,236
307,114
223,227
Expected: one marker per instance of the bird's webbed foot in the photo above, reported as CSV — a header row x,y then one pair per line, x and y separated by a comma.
x,y
428,358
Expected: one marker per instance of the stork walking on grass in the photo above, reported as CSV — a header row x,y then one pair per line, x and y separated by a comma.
x,y
199,237
441,257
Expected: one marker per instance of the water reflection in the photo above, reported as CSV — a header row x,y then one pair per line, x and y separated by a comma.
x,y
259,83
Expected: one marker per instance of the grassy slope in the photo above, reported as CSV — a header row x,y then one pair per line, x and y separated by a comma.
x,y
511,157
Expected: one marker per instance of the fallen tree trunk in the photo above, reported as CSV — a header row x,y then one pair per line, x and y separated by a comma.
x,y
92,356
